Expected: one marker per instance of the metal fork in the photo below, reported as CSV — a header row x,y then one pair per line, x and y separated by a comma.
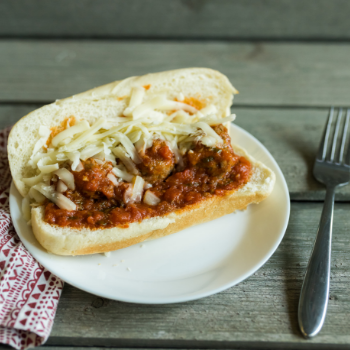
x,y
332,169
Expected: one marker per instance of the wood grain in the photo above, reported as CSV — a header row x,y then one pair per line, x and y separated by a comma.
x,y
291,135
265,74
242,19
259,312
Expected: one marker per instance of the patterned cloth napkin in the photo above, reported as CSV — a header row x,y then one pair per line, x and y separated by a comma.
x,y
29,293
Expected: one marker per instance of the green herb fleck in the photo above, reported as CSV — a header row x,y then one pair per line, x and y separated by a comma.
x,y
208,160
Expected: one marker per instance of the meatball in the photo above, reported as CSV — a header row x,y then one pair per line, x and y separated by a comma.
x,y
157,162
215,161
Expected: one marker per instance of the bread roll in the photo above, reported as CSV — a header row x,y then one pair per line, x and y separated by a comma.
x,y
110,101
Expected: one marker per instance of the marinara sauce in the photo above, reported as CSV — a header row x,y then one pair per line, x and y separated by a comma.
x,y
206,172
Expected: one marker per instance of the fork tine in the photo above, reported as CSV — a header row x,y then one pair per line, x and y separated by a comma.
x,y
322,150
345,132
347,156
336,132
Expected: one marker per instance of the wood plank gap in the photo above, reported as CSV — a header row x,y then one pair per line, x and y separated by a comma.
x,y
281,107
189,344
340,201
55,347
37,104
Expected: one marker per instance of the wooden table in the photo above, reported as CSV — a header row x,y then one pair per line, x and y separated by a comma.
x,y
289,61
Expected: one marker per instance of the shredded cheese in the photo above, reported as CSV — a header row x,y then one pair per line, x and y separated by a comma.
x,y
122,140
150,198
67,177
122,174
61,187
113,179
137,94
70,132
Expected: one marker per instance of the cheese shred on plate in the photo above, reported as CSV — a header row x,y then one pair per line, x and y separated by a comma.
x,y
124,139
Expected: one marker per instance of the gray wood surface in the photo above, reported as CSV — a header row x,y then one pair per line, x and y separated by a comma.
x,y
291,135
266,74
285,91
242,19
259,312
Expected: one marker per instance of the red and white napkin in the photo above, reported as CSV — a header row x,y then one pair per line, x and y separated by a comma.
x,y
29,293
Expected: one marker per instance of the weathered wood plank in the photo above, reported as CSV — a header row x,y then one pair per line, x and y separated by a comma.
x,y
265,74
286,19
291,135
259,312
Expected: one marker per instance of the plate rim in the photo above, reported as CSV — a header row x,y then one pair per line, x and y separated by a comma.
x,y
173,300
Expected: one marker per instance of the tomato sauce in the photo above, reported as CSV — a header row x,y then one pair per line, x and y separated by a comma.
x,y
207,172
193,102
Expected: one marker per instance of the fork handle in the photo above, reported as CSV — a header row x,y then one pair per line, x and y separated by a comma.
x,y
315,290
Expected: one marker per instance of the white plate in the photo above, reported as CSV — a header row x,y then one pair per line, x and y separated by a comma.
x,y
191,264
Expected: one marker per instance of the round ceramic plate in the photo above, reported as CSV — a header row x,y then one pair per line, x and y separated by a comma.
x,y
191,264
